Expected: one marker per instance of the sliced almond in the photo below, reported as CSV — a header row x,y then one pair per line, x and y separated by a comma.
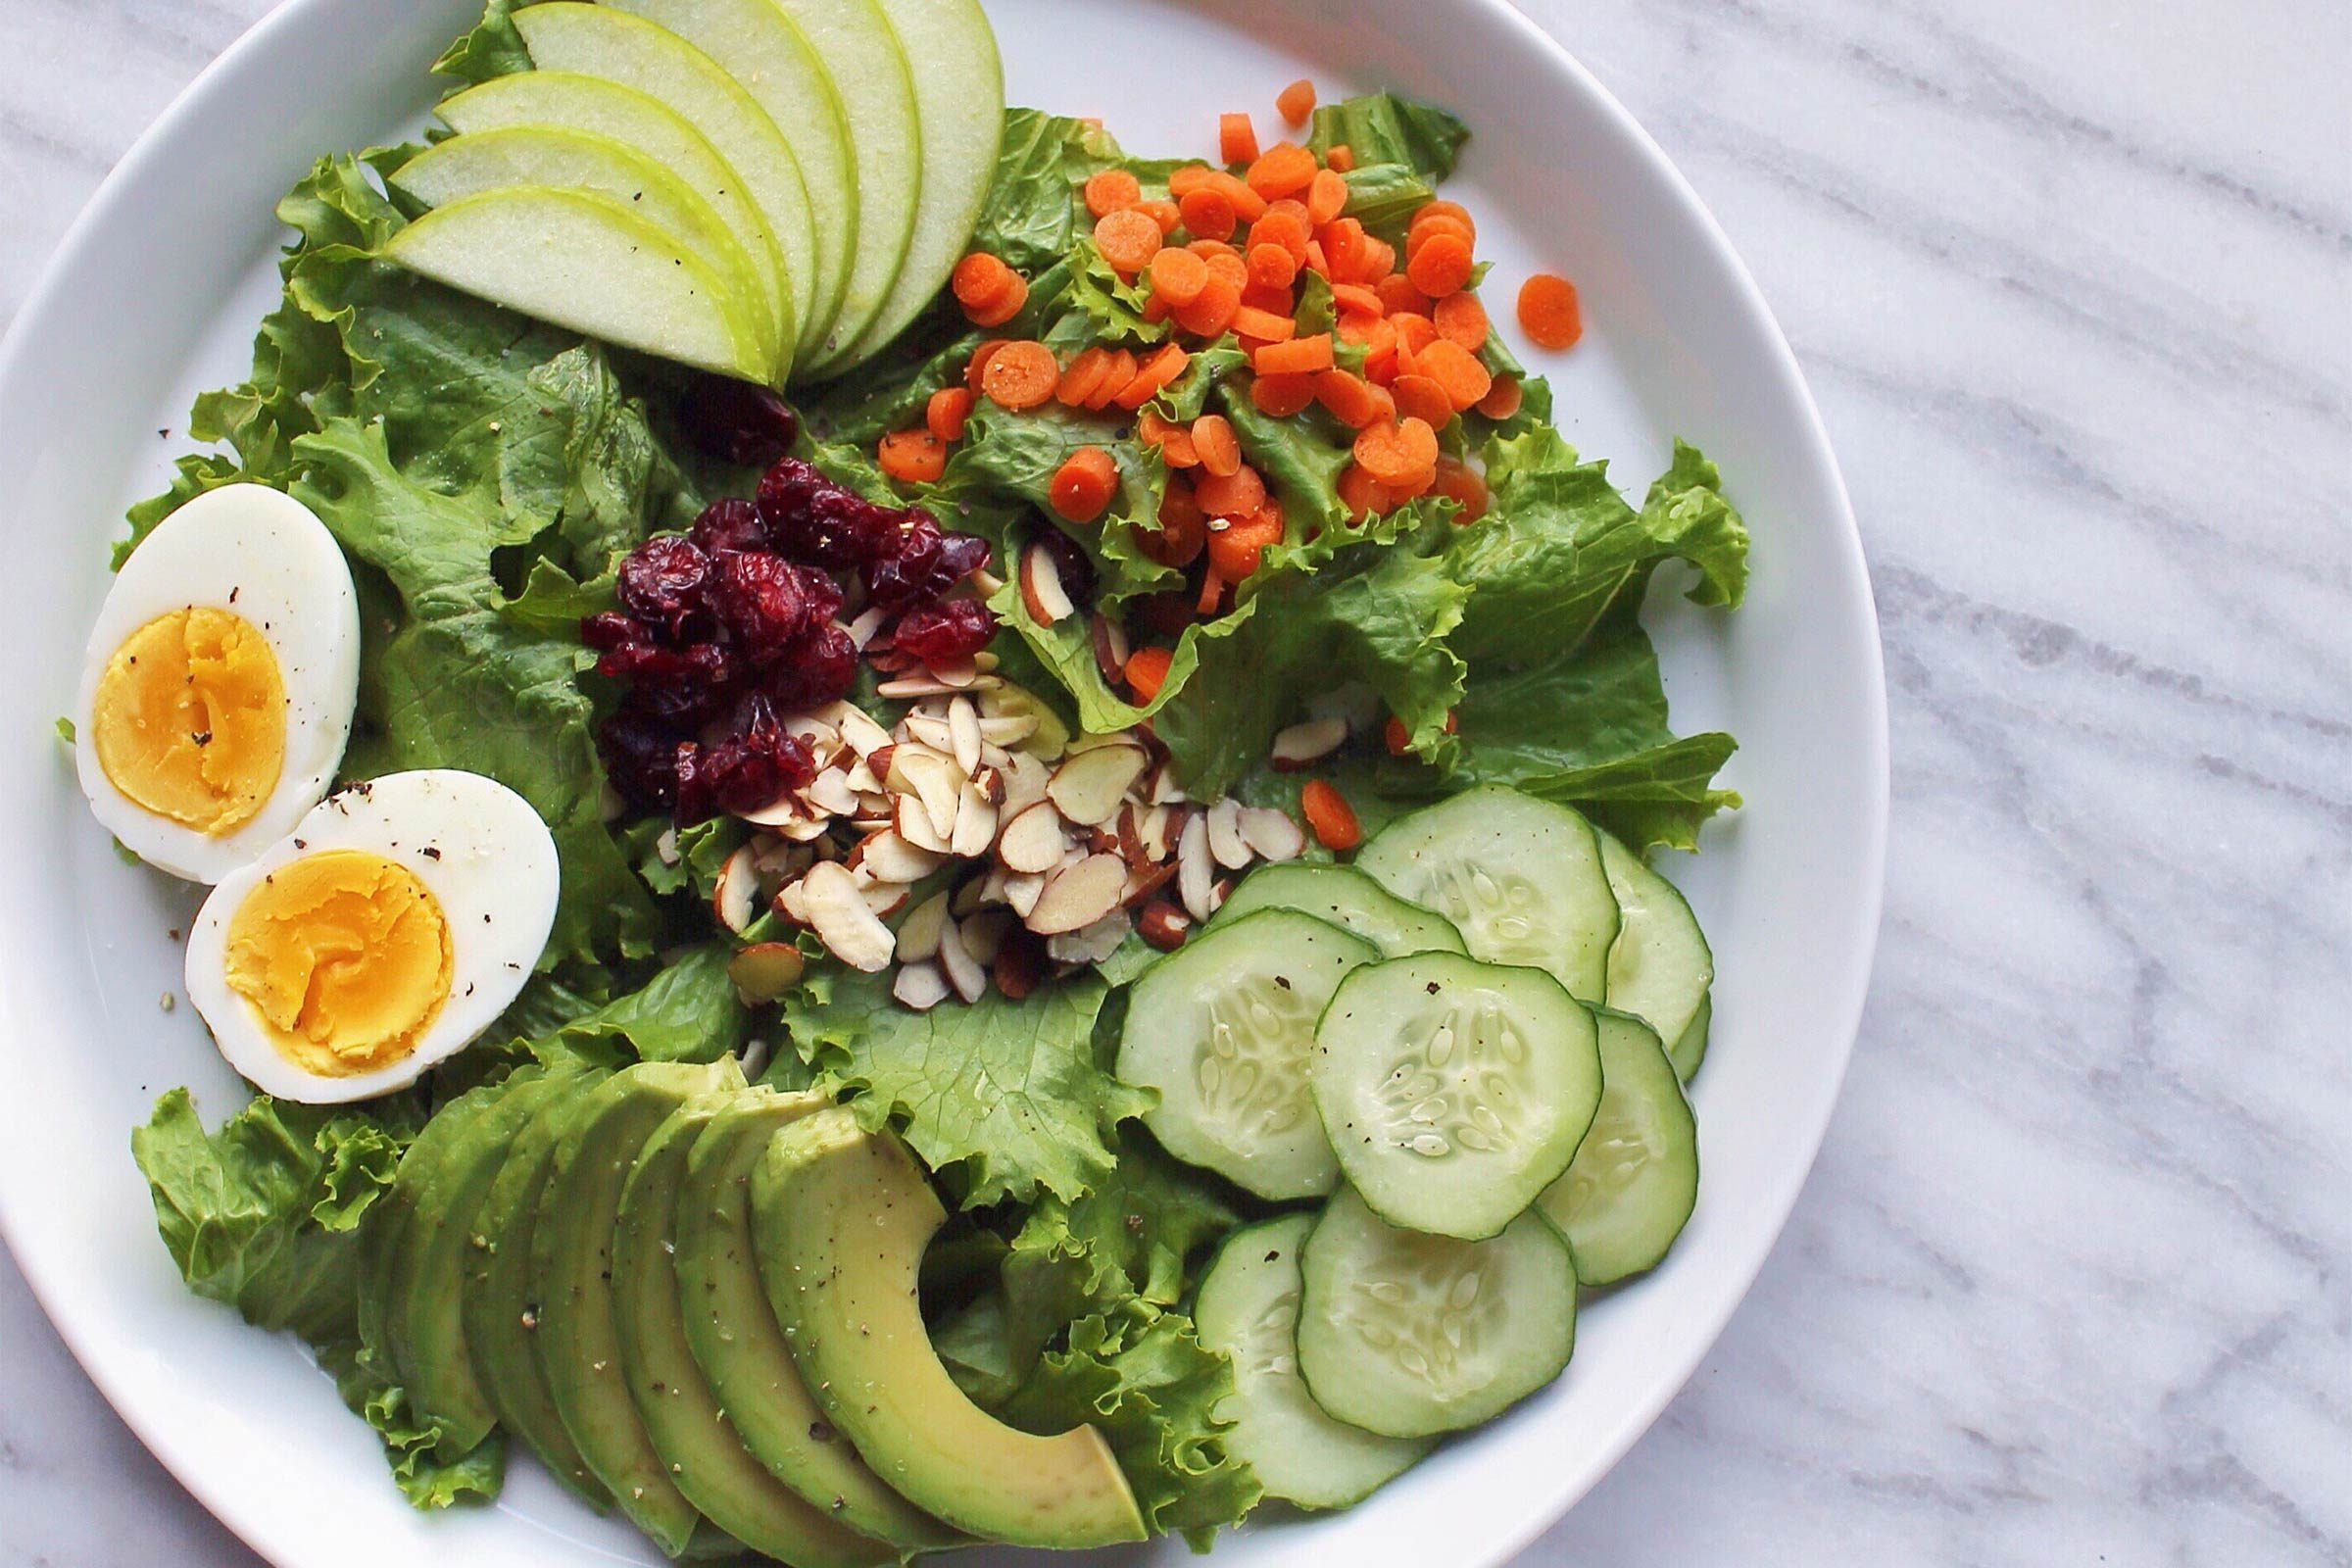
x,y
929,729
989,780
1031,840
985,585
804,829
737,893
975,826
933,777
1022,891
868,623
844,924
885,899
892,859
786,810
666,847
1007,729
918,933
1271,833
861,781
921,986
902,686
878,762
1089,785
792,903
964,971
912,819
1225,840
1196,867
1024,780
1165,791
859,730
1042,592
1109,641
822,736
830,793
1148,881
984,933
963,735
764,971
1158,826
956,674
1163,925
1304,744
1093,944
967,897
1078,895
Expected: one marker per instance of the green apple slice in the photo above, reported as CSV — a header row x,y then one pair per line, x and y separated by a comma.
x,y
565,100
761,47
577,160
589,264
960,110
869,68
600,42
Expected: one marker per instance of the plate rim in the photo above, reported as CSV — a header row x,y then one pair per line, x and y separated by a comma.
x,y
181,1460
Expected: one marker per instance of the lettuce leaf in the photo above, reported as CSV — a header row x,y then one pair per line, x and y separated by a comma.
x,y
687,1011
426,1476
1383,128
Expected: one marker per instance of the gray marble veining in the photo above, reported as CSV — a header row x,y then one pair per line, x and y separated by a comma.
x,y
2073,1281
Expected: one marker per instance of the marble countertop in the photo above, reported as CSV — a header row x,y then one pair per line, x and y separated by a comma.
x,y
2072,1282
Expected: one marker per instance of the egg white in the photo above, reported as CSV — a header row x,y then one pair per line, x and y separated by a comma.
x,y
487,859
263,555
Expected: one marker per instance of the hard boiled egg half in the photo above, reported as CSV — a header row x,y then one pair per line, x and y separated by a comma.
x,y
396,921
218,687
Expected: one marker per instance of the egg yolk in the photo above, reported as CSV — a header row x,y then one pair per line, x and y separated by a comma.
x,y
344,957
191,718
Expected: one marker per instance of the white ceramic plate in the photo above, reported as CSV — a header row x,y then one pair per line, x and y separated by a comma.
x,y
155,295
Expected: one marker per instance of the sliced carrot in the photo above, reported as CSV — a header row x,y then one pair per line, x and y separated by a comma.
x,y
1329,816
1220,452
1128,240
1270,266
1162,367
1380,353
1084,484
912,457
1362,495
1283,170
980,279
1461,318
1232,495
1236,138
1280,301
1147,670
1341,158
1178,276
1213,594
1212,313
1116,373
1164,212
1297,101
1326,197
1278,397
1548,312
1208,249
1316,261
1422,233
1229,264
1353,401
1207,213
1283,224
1413,332
1183,527
1174,441
1378,261
1463,483
1005,308
1397,293
1421,397
1356,299
1085,374
977,364
1440,267
1248,205
1503,401
1020,376
1264,326
1187,178
1398,451
1430,211
1457,369
1299,354
944,414
1342,241
1236,550
1395,736
1111,190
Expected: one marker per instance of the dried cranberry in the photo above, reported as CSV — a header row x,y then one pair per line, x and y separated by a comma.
x,y
942,633
610,629
760,599
819,669
662,581
736,421
640,757
926,566
644,664
732,523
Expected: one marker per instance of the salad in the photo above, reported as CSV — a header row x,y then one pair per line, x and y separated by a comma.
x,y
918,832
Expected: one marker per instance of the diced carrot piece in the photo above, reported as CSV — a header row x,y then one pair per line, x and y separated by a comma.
x,y
1440,267
1356,299
1115,376
1353,401
1236,138
1085,374
1462,318
1147,670
1128,240
1362,495
1464,484
1212,313
1299,354
1162,367
1111,190
1326,197
1503,401
1231,495
977,364
1020,376
1263,325
1297,101
1548,312
1207,213
944,414
1084,484
1421,397
1270,266
1397,293
1178,276
1278,397
980,279
911,457
1283,170
1220,451
1187,178
1341,158
1236,550
1329,816
1398,453
1183,527
1006,306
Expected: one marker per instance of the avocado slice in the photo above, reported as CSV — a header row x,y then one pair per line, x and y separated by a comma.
x,y
498,1304
420,1327
842,1217
682,1417
739,1347
571,1266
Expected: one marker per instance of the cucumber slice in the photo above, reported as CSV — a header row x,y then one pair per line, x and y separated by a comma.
x,y
1453,1091
1348,899
1659,965
1635,1178
1249,1309
1223,1027
1521,878
1410,1335
1691,1048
